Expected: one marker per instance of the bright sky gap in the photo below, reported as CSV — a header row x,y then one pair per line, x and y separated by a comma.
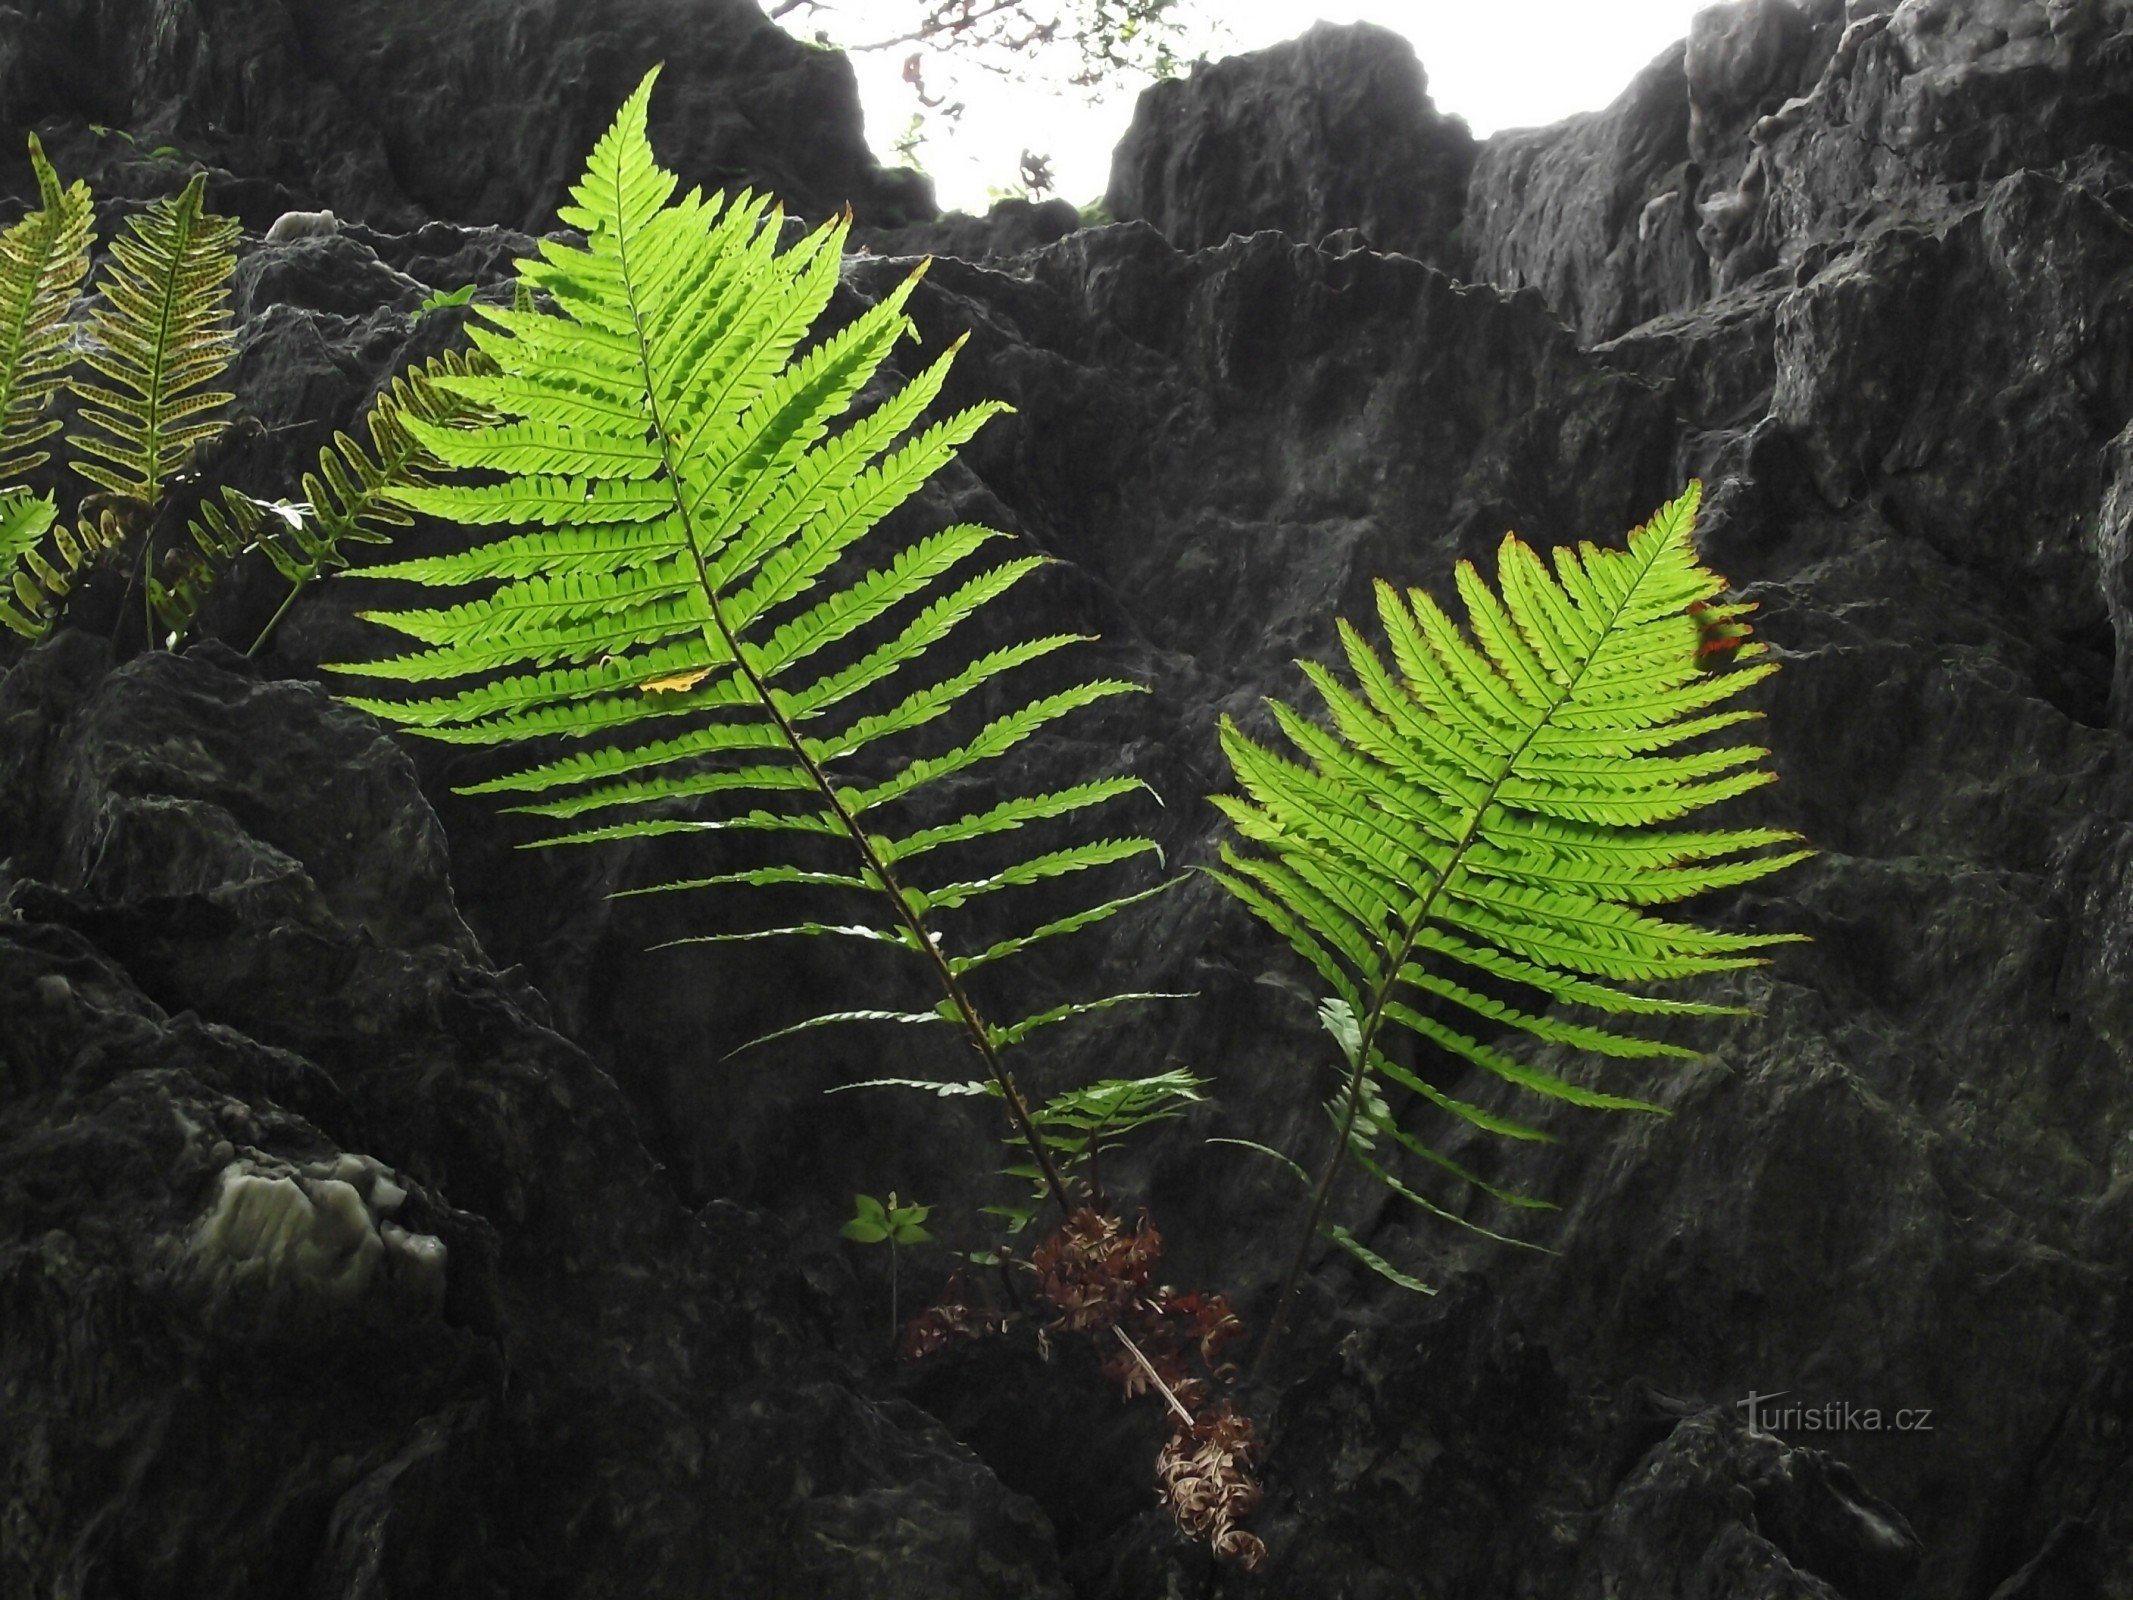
x,y
1508,64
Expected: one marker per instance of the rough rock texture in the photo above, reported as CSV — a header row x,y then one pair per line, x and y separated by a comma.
x,y
1331,130
1009,228
1852,1322
388,114
326,1266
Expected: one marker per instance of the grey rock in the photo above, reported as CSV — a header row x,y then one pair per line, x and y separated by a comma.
x,y
1010,227
1597,212
1332,130
371,110
329,1269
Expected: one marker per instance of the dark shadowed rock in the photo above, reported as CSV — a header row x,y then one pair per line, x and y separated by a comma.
x,y
371,109
1011,227
1596,211
1332,130
406,1308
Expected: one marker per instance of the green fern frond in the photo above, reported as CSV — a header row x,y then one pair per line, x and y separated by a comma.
x,y
41,558
25,519
1485,815
161,334
679,474
347,499
43,259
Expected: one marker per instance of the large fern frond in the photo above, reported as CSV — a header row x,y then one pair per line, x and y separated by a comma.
x,y
347,499
43,259
1477,842
160,336
671,584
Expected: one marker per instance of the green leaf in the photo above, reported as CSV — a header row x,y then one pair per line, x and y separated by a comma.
x,y
675,473
161,335
1338,1018
831,1019
1375,1262
868,1225
1474,841
43,259
1294,1167
973,1086
444,299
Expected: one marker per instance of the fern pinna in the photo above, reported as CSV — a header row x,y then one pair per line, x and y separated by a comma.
x,y
1485,818
670,495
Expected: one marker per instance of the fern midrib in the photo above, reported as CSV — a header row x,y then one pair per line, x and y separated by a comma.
x,y
913,922
1366,1037
166,313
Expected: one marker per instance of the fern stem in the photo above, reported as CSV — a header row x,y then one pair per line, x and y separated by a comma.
x,y
920,937
876,868
1366,1039
1367,1034
274,621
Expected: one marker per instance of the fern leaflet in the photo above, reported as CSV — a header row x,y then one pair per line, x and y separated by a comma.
x,y
43,558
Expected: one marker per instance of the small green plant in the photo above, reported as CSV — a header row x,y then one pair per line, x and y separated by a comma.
x,y
445,299
893,1223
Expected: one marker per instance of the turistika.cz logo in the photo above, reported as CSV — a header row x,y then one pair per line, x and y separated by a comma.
x,y
1831,1416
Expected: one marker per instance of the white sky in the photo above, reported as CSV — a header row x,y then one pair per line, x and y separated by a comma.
x,y
1498,63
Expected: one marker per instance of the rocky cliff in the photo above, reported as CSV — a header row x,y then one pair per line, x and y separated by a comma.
x,y
376,1218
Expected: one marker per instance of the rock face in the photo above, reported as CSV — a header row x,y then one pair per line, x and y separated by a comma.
x,y
406,1307
375,111
1330,131
344,1177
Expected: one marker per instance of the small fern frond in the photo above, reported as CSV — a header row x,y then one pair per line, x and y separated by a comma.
x,y
161,334
43,259
1485,815
1078,1126
680,476
41,558
348,499
25,519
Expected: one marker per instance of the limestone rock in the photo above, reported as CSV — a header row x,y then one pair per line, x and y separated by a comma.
x,y
1331,130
